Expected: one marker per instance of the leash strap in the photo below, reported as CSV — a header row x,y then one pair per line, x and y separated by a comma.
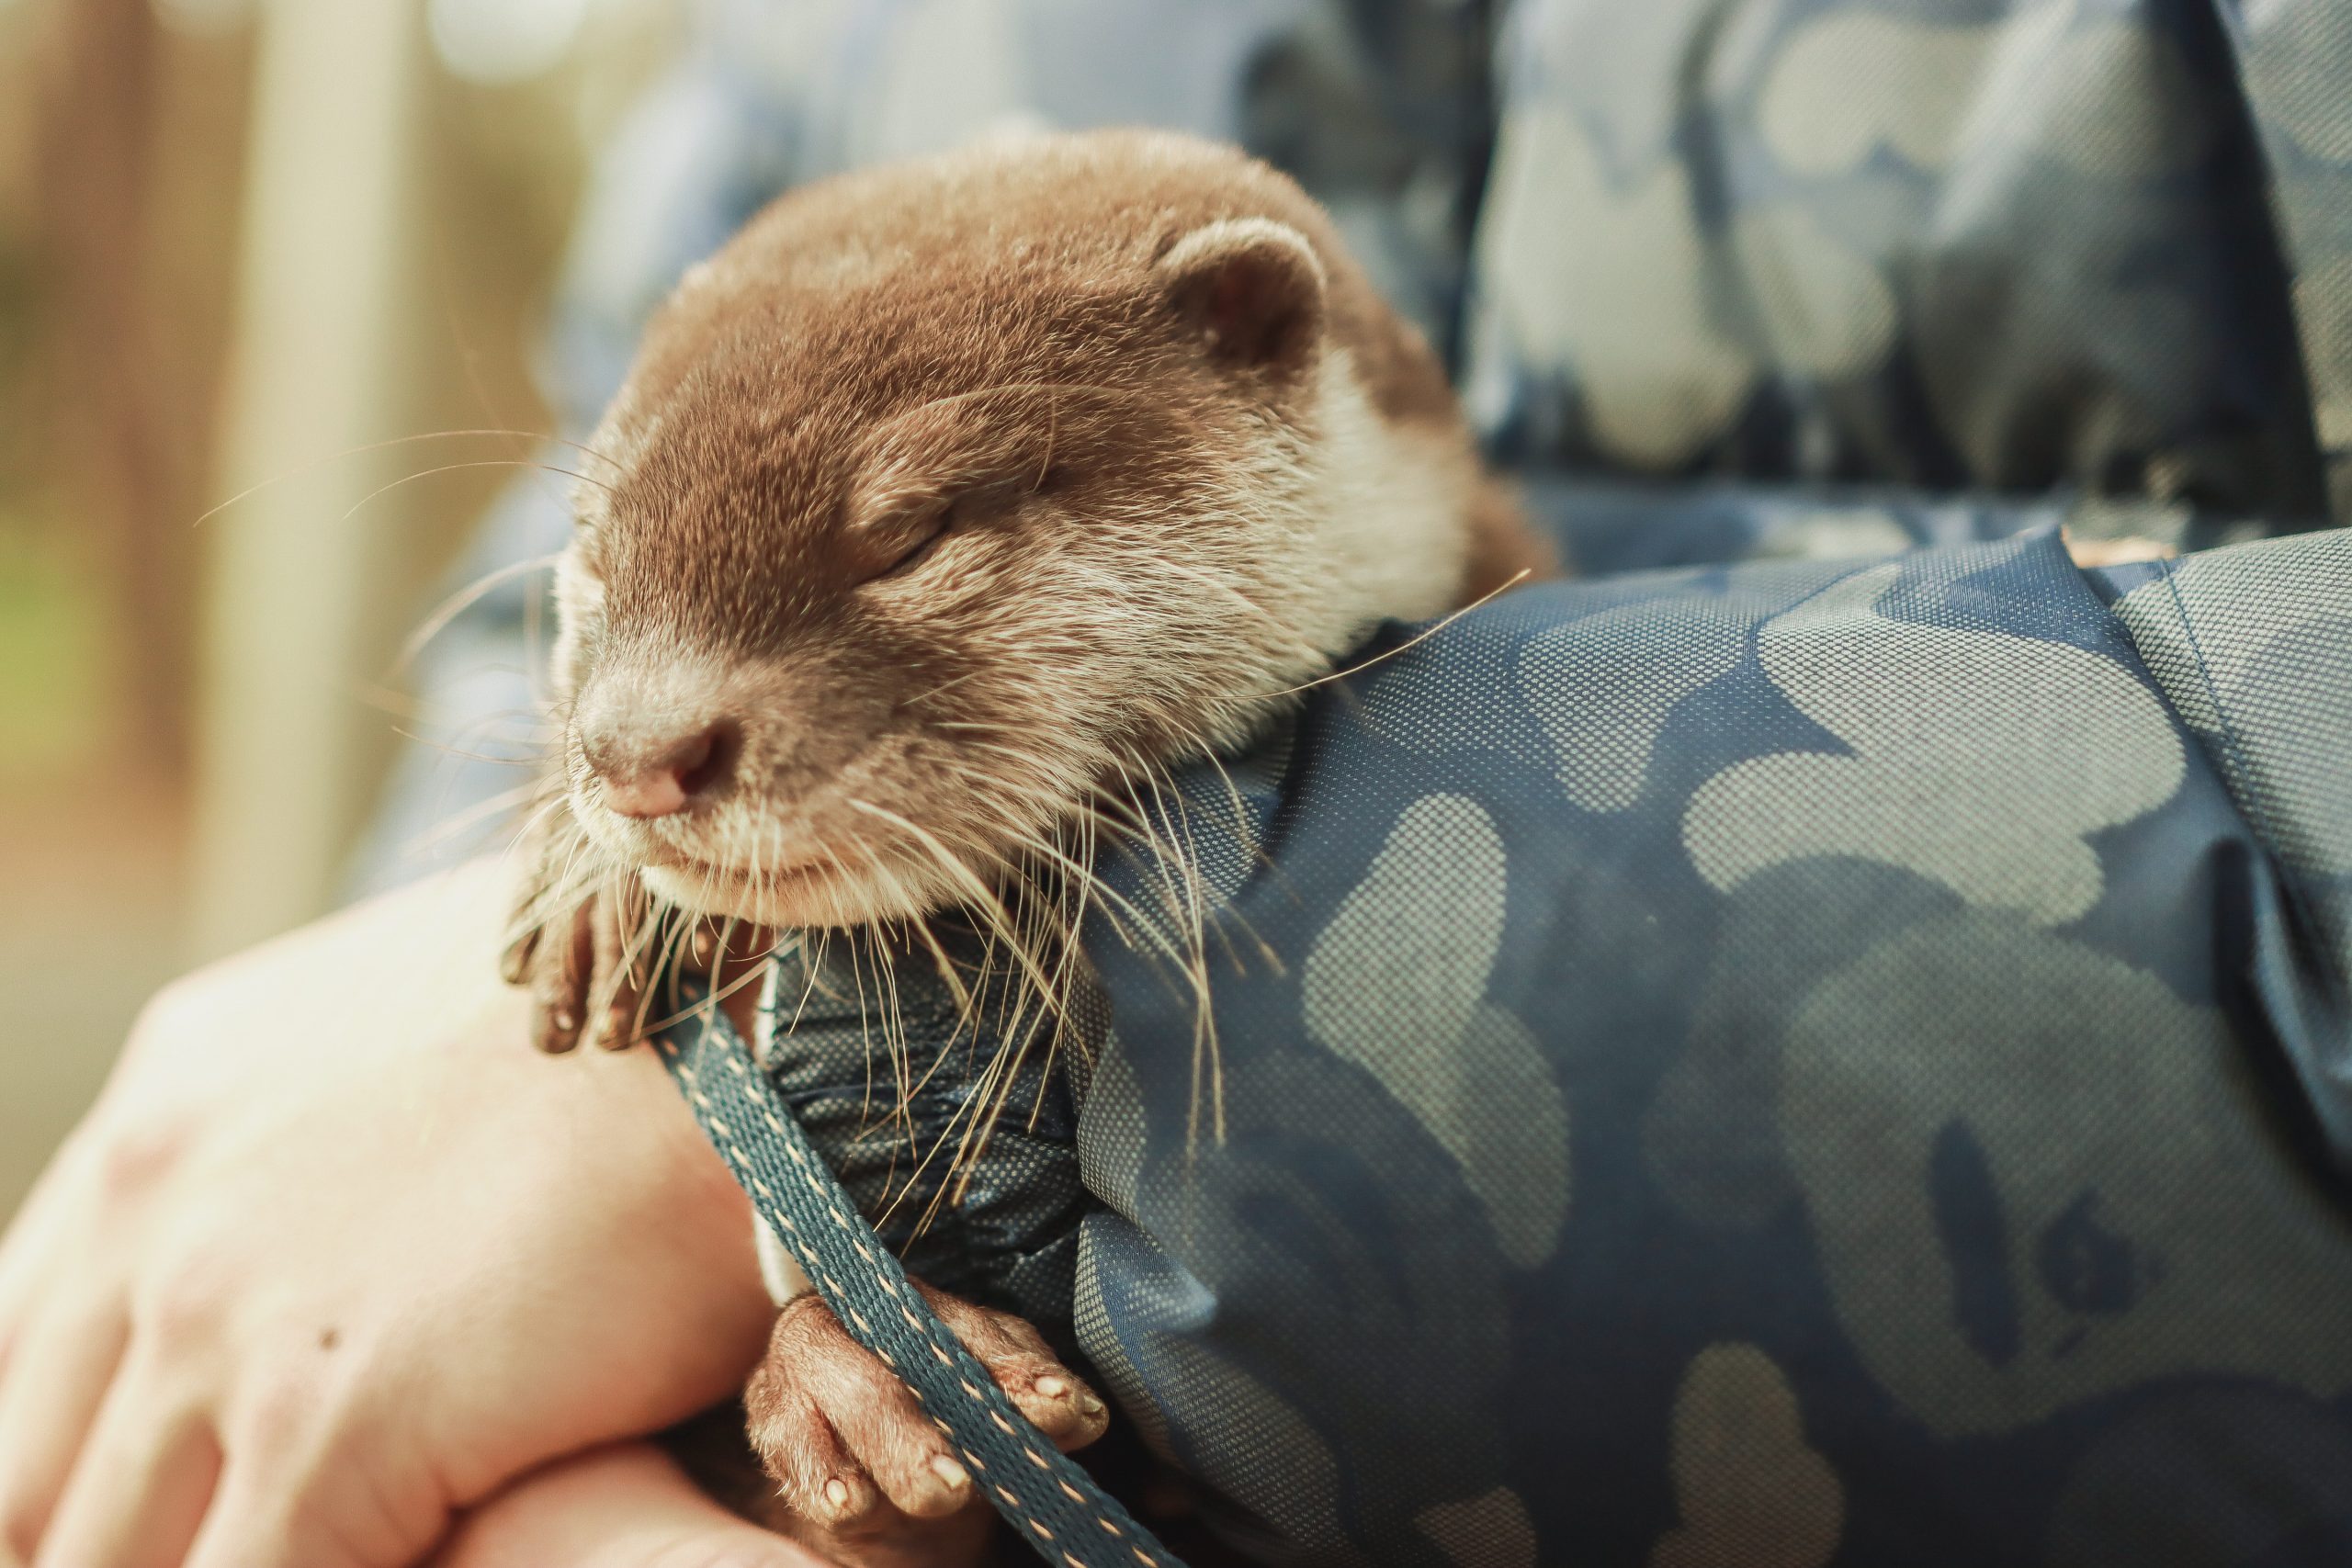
x,y
1049,1500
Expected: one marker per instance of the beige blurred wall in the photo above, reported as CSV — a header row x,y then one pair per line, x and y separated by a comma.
x,y
256,237
308,581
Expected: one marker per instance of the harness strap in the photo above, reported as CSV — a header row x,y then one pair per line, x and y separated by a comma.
x,y
1049,1500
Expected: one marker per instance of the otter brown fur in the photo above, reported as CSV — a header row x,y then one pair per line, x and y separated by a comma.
x,y
945,498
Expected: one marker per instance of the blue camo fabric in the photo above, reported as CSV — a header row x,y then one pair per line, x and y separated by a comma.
x,y
1824,1041
1945,245
1790,1064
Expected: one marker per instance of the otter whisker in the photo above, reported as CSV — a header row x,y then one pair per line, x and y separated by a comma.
x,y
447,749
703,1009
415,708
964,875
318,463
523,830
1205,1055
505,800
457,603
944,687
388,487
1521,575
901,1074
652,934
1303,645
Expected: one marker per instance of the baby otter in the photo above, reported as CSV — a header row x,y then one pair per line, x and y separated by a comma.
x,y
944,498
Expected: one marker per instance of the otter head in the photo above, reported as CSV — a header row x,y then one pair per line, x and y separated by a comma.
x,y
948,495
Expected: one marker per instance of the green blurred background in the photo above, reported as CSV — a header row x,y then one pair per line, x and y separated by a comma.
x,y
241,240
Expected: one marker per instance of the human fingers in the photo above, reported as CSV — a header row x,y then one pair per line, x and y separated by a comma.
x,y
140,1486
622,1508
57,1377
28,1237
261,1518
24,1251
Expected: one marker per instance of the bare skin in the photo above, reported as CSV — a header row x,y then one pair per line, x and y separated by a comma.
x,y
626,1506
295,1297
2117,552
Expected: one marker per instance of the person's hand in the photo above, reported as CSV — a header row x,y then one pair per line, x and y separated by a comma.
x,y
337,1253
621,1508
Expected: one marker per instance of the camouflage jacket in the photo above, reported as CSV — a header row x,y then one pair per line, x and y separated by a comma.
x,y
1791,1049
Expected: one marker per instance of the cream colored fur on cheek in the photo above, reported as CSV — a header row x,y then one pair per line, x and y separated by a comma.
x,y
1365,522
1392,542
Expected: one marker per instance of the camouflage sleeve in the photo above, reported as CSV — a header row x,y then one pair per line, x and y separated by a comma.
x,y
1807,1062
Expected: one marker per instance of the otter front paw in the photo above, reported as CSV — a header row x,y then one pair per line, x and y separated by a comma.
x,y
585,966
866,1473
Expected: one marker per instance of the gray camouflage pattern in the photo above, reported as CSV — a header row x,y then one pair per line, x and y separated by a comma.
x,y
1824,1041
1796,1064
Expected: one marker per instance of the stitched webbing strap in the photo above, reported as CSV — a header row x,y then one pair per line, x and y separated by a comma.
x,y
1050,1502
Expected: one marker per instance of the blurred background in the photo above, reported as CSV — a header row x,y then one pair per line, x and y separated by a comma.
x,y
240,245
280,310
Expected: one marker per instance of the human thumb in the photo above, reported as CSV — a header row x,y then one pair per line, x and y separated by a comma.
x,y
621,1508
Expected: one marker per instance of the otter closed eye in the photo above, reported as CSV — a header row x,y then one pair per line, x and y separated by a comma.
x,y
949,506
922,546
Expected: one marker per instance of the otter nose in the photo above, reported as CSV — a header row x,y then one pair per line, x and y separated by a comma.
x,y
665,777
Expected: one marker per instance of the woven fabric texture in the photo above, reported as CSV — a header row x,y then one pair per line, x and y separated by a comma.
x,y
1814,1056
1802,1064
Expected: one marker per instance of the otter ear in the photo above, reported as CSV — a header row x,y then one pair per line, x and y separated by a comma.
x,y
1251,287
